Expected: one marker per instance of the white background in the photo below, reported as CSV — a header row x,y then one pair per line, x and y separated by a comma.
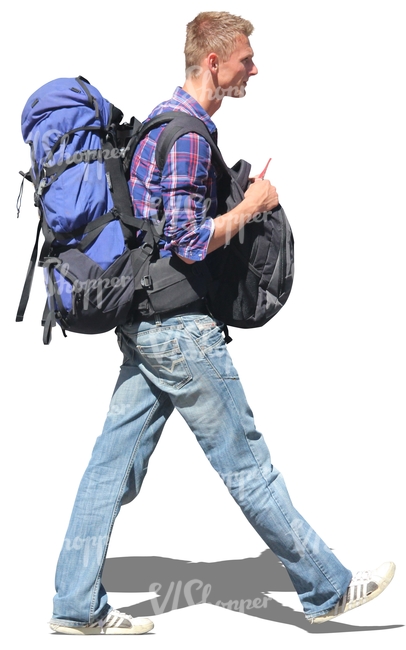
x,y
325,378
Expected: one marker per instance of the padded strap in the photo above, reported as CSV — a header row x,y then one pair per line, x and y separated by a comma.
x,y
145,128
181,124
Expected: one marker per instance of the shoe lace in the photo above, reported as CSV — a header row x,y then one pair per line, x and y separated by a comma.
x,y
104,622
361,576
360,586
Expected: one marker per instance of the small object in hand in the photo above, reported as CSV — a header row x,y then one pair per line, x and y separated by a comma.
x,y
262,174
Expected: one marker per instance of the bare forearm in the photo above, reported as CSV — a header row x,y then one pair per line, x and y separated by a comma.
x,y
261,196
228,225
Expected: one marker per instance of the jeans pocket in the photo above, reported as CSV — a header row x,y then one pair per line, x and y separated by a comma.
x,y
166,362
208,336
209,333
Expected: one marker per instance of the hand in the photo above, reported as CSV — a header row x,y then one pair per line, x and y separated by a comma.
x,y
262,195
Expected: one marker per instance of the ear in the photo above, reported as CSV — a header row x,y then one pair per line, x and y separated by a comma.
x,y
213,62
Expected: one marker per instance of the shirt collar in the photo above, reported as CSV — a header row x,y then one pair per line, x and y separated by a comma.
x,y
193,107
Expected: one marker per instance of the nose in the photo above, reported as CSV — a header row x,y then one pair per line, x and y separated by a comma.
x,y
254,69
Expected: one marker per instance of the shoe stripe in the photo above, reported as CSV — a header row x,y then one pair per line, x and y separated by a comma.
x,y
364,586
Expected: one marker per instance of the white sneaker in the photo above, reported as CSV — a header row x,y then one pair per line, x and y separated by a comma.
x,y
114,623
363,587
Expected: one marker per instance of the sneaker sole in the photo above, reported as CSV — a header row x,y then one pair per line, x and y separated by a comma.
x,y
139,629
385,582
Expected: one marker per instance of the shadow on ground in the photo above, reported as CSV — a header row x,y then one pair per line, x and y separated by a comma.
x,y
238,585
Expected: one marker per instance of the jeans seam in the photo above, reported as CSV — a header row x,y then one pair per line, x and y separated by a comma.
x,y
119,497
236,410
305,549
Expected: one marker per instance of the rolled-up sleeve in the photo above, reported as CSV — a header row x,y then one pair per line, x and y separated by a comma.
x,y
185,197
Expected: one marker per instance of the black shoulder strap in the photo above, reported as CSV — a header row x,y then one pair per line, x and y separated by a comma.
x,y
181,124
140,132
178,124
232,182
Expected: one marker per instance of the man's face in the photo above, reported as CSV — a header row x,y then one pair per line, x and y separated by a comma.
x,y
233,74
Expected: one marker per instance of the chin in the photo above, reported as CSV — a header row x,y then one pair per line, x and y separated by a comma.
x,y
239,92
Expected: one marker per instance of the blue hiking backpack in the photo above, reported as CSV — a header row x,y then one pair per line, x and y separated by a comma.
x,y
96,255
101,264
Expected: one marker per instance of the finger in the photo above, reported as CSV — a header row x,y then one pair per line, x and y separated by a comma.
x,y
252,179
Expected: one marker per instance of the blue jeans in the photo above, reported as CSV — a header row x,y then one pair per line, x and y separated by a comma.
x,y
182,362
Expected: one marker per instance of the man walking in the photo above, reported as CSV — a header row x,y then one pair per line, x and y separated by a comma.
x,y
179,360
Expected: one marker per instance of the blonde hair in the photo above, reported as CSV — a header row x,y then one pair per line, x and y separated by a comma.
x,y
213,31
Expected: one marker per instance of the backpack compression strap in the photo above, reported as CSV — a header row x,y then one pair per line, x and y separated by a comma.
x,y
29,277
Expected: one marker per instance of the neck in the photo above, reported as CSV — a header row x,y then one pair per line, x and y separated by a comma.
x,y
203,90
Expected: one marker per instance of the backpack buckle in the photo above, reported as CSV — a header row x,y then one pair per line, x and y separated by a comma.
x,y
146,282
41,186
147,248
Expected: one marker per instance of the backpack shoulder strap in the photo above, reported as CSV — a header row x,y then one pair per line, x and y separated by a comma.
x,y
178,124
232,182
181,124
140,130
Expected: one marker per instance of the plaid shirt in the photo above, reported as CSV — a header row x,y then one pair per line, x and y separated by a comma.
x,y
187,187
